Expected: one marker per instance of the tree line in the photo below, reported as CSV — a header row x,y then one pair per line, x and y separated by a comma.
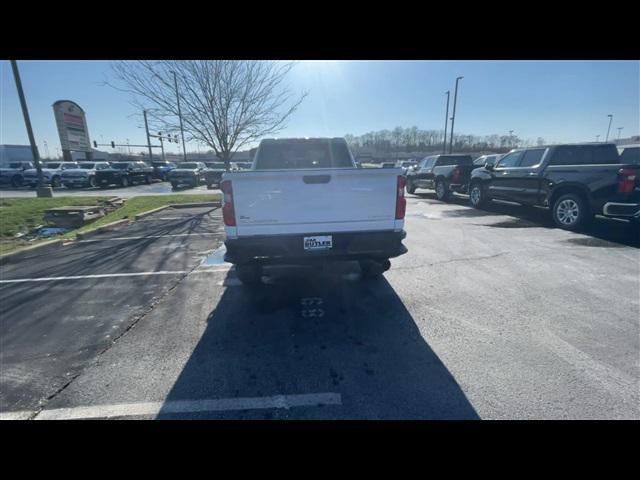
x,y
414,139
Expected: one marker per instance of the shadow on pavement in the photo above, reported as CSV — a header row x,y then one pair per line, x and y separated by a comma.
x,y
318,332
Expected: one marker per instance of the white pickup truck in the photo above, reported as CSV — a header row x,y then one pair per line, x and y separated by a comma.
x,y
304,201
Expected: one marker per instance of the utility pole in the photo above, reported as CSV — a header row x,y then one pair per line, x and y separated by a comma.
x,y
41,191
619,130
184,147
161,144
46,148
146,128
610,120
453,118
446,121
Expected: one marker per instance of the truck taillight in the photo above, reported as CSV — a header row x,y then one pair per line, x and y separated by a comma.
x,y
401,202
627,180
228,212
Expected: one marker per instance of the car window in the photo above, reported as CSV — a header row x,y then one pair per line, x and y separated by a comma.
x,y
630,156
510,160
51,165
67,166
532,157
480,161
585,155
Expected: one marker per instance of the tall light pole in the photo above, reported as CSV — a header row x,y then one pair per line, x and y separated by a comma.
x,y
46,148
146,129
184,147
41,191
453,118
446,121
619,130
610,120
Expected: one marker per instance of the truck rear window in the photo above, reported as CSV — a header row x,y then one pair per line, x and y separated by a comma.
x,y
294,155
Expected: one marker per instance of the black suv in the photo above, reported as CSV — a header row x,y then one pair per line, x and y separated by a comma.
x,y
575,181
124,174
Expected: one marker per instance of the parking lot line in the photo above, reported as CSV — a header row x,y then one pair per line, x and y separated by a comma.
x,y
112,275
191,406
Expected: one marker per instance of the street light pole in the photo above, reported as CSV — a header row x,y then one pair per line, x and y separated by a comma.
x,y
184,147
610,120
446,121
453,118
42,191
619,130
146,128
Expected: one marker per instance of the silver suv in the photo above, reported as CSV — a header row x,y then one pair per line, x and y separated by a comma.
x,y
84,175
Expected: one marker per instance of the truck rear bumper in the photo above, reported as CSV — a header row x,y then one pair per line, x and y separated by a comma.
x,y
621,210
289,249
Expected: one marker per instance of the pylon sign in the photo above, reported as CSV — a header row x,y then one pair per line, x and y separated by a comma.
x,y
72,126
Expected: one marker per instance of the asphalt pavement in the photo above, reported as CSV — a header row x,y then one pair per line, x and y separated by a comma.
x,y
493,314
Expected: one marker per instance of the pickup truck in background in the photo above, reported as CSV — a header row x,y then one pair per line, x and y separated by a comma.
x,y
51,173
13,173
304,201
442,173
124,174
188,173
84,175
214,173
575,182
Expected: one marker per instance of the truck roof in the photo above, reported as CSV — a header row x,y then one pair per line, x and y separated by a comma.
x,y
301,139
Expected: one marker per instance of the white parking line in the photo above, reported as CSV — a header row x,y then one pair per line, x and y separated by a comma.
x,y
19,415
191,406
114,275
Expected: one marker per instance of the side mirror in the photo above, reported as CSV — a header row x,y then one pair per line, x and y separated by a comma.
x,y
488,166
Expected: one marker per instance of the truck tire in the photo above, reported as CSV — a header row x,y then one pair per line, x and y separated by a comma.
x,y
570,211
92,182
411,187
373,268
16,181
477,195
174,185
55,182
249,274
124,182
147,180
442,191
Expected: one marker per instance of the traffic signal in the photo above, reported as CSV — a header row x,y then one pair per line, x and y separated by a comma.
x,y
113,144
95,144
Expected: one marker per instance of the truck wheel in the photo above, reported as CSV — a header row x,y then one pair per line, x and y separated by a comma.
x,y
411,187
570,211
92,181
477,197
16,181
174,184
55,182
373,268
124,182
442,191
147,180
249,274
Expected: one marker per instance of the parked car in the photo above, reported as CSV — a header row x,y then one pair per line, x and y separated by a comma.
x,y
161,169
188,173
13,173
305,202
405,166
214,173
84,175
240,166
51,173
124,174
575,181
630,154
388,165
442,173
487,159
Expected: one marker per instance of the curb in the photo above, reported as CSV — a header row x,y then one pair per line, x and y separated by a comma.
x,y
103,228
7,257
192,205
149,212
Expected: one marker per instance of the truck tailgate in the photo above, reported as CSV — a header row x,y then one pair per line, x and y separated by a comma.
x,y
277,202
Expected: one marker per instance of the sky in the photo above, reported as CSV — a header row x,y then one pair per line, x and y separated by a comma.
x,y
561,101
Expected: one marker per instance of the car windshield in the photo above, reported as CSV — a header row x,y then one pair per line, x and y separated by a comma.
x,y
52,165
187,165
120,165
87,166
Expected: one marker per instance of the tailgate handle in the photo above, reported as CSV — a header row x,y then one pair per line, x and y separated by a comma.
x,y
316,178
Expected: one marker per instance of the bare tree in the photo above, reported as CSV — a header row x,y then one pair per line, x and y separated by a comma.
x,y
225,104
